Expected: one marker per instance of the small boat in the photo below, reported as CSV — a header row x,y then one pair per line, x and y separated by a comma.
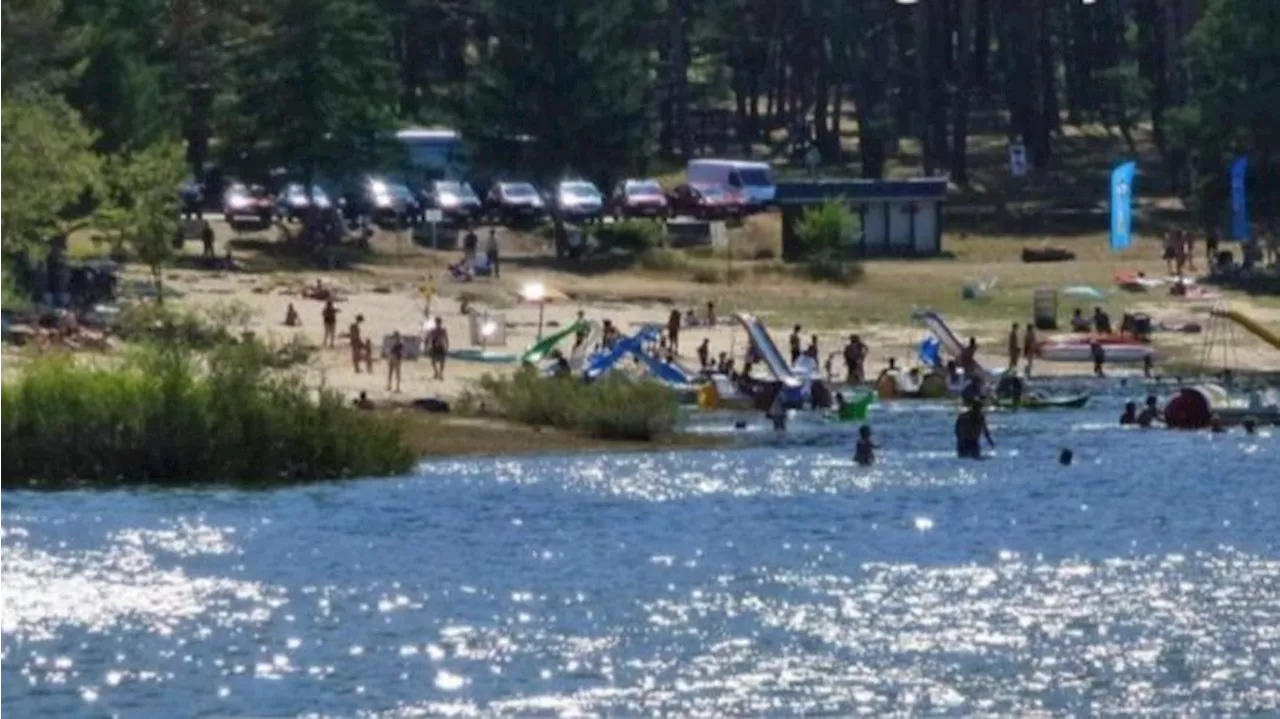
x,y
1115,353
1042,402
479,355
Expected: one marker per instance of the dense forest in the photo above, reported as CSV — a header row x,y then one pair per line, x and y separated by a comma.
x,y
604,86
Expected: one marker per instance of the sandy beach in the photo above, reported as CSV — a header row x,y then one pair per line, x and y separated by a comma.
x,y
388,294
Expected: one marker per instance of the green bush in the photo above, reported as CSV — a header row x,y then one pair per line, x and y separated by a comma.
x,y
631,235
834,270
614,407
166,415
828,229
661,259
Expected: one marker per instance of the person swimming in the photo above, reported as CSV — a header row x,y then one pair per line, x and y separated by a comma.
x,y
1065,457
864,452
1130,415
971,427
1150,413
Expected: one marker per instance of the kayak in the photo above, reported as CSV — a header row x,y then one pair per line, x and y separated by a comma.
x,y
1055,402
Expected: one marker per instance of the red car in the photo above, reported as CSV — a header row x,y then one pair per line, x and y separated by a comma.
x,y
638,198
248,203
707,202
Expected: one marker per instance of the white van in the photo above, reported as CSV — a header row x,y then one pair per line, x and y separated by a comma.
x,y
753,179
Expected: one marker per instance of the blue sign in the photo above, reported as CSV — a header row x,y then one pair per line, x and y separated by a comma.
x,y
1122,205
1239,211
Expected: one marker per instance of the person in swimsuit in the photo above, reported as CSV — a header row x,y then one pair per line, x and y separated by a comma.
x,y
1015,347
968,358
368,355
704,354
395,355
1150,413
794,342
330,316
971,427
864,453
1130,415
673,330
291,318
438,348
1029,346
357,344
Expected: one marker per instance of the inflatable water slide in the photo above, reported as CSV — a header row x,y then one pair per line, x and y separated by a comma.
x,y
1250,325
940,329
778,366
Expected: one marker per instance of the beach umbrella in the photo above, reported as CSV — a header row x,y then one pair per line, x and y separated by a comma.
x,y
541,294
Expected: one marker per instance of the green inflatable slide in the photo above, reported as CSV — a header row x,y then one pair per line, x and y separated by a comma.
x,y
543,347
855,410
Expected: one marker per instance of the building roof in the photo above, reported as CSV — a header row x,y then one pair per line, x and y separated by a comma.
x,y
803,192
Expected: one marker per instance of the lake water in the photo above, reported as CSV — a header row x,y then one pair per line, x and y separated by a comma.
x,y
770,580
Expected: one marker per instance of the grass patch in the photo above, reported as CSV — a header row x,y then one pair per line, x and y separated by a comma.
x,y
631,235
661,259
616,407
171,416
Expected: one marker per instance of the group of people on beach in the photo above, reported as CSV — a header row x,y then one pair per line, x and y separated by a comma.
x,y
435,340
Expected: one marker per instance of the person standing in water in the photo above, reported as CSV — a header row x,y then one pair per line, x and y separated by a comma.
x,y
1130,415
971,428
778,410
1150,413
864,453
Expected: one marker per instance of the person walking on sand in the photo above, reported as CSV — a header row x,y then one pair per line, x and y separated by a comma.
x,y
357,342
704,354
1099,356
330,317
1015,347
206,238
673,331
491,252
969,358
395,355
855,360
812,350
438,348
368,355
1029,347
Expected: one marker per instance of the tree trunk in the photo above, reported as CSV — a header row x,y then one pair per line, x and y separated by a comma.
x,y
981,45
960,121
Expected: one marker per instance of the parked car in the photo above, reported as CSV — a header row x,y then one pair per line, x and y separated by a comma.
x,y
191,194
754,180
252,203
512,202
579,200
386,201
638,198
293,200
707,201
457,202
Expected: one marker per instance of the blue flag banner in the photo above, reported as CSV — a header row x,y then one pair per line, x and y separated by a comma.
x,y
1239,211
1122,205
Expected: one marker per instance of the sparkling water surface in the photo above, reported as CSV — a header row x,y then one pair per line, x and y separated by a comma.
x,y
777,579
